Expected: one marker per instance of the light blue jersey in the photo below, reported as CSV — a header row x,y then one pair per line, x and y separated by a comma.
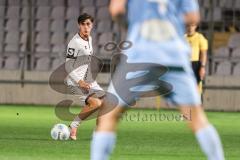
x,y
156,28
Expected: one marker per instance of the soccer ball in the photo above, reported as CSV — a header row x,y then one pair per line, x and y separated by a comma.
x,y
60,132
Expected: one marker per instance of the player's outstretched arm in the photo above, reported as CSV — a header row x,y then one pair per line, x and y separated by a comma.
x,y
71,60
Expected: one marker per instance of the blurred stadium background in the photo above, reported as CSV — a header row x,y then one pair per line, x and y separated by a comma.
x,y
33,39
34,35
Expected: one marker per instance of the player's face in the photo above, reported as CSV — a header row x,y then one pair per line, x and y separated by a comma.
x,y
86,27
191,28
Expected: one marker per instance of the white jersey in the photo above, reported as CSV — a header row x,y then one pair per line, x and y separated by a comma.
x,y
76,48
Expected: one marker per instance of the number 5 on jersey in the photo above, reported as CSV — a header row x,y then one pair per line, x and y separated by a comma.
x,y
71,53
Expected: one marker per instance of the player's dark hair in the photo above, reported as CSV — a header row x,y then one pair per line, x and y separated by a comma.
x,y
83,17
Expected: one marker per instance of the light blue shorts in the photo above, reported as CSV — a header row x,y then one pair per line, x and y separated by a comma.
x,y
177,85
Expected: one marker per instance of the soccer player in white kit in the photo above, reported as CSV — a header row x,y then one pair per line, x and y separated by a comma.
x,y
156,30
78,59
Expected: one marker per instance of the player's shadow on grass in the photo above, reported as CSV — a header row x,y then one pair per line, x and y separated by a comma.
x,y
25,138
36,139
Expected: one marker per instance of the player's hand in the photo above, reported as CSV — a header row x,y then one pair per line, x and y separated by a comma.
x,y
84,85
202,73
117,7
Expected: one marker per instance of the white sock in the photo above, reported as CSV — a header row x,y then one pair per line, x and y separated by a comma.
x,y
210,143
76,122
102,145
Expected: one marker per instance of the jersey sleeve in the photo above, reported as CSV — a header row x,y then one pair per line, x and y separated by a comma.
x,y
203,43
75,72
188,6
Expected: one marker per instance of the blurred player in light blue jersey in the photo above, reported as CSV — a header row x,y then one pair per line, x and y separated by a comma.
x,y
156,29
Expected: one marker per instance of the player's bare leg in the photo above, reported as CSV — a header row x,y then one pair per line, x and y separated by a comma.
x,y
104,136
205,133
195,117
108,122
93,104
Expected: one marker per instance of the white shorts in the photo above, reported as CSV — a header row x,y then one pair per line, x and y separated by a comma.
x,y
95,91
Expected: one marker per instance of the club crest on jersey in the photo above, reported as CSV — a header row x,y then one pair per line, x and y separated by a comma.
x,y
71,53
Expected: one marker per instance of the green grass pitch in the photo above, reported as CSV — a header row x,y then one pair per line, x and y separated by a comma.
x,y
25,135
